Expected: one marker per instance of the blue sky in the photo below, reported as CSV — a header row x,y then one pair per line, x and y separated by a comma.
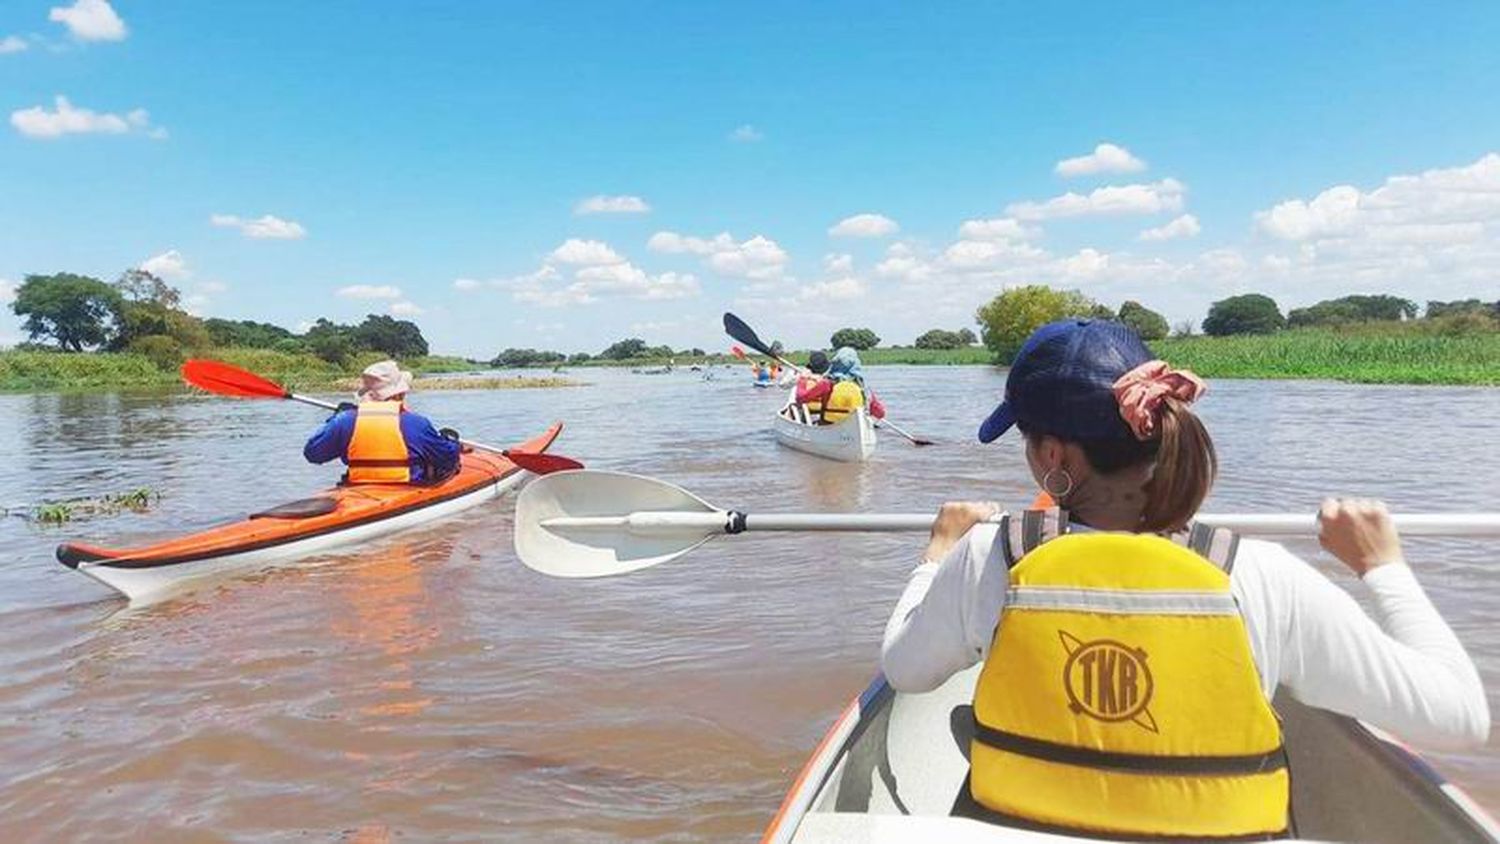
x,y
284,161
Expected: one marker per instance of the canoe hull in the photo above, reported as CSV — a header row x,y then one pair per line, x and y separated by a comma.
x,y
850,441
358,514
892,765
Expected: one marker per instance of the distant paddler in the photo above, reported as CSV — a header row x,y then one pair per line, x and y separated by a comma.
x,y
1129,656
380,439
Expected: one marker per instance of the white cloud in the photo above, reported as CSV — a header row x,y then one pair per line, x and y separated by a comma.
x,y
168,266
999,228
1184,226
838,263
261,228
835,290
746,134
7,291
370,291
585,252
404,308
13,44
67,119
212,287
864,225
467,284
1152,198
90,20
611,205
758,258
1106,158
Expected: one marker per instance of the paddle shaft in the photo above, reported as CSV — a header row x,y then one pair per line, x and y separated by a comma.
x,y
732,522
328,405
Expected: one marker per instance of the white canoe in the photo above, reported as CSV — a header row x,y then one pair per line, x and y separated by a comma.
x,y
852,440
892,765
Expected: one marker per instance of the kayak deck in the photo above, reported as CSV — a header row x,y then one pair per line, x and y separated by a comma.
x,y
333,517
893,765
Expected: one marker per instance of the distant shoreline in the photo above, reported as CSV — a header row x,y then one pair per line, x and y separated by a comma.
x,y
1358,357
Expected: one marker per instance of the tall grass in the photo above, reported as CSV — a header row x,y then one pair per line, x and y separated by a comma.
x,y
26,370
1361,356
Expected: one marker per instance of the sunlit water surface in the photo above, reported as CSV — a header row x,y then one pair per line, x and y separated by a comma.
x,y
429,686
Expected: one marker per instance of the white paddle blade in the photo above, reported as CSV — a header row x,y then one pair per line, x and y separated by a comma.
x,y
590,523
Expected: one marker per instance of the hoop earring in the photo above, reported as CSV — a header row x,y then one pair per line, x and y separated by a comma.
x,y
1057,495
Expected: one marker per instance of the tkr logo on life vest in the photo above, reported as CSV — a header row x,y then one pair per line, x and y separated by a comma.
x,y
1107,680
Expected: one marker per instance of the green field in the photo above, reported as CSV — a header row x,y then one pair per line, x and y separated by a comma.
x,y
1363,357
27,371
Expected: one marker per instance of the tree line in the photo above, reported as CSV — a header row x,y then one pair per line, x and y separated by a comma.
x,y
632,348
142,314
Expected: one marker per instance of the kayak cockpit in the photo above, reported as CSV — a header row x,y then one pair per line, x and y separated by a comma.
x,y
894,766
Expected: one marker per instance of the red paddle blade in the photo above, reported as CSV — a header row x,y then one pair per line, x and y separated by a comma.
x,y
542,464
737,352
226,380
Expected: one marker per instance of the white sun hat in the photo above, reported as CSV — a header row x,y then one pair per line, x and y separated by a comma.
x,y
380,381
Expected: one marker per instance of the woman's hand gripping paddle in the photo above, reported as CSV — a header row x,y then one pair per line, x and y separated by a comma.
x,y
596,524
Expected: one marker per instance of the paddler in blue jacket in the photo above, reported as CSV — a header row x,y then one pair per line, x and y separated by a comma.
x,y
380,440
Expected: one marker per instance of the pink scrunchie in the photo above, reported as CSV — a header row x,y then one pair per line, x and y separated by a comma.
x,y
1141,390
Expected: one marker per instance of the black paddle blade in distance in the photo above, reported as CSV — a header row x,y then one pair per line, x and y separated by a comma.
x,y
737,329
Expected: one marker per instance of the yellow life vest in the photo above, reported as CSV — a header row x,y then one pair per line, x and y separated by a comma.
x,y
1120,697
844,400
377,452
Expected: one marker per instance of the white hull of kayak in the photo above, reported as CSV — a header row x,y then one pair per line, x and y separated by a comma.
x,y
142,585
891,766
852,440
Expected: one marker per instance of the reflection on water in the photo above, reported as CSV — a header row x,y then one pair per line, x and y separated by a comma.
x,y
429,686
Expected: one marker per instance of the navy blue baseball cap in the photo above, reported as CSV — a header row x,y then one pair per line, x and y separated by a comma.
x,y
1062,381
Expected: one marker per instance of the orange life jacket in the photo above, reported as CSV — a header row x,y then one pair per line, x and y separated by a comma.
x,y
377,452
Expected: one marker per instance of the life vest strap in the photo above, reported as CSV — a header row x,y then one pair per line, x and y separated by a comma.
x,y
1035,527
1255,763
379,464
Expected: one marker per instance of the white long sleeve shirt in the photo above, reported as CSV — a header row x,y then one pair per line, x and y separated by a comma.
x,y
1407,673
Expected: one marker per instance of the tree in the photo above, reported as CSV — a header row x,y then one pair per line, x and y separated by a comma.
x,y
625,349
1462,306
1008,319
1353,309
937,338
1250,313
398,338
141,286
514,358
1149,324
966,335
245,333
1183,329
580,357
74,310
854,338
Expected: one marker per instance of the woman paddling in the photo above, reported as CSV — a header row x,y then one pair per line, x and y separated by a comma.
x,y
1127,676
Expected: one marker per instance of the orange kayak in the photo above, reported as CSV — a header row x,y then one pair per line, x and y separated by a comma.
x,y
332,518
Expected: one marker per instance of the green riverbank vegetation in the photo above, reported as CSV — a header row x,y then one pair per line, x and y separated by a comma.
x,y
1378,339
86,334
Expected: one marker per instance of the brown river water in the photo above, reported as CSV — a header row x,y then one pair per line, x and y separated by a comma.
x,y
428,686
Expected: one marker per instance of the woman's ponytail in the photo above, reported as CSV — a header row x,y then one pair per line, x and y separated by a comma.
x,y
1186,466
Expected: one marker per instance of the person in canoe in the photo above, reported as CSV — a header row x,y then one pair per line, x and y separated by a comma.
x,y
841,391
1129,657
380,440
